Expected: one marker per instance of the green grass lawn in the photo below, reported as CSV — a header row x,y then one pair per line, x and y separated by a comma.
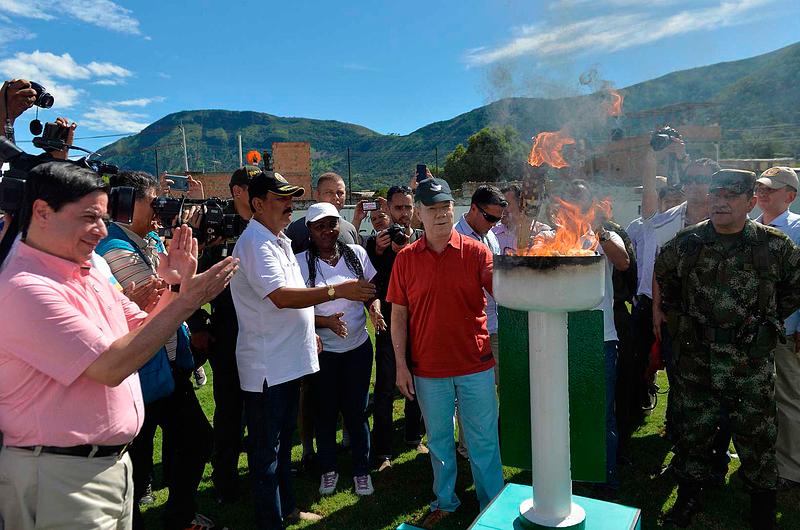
x,y
403,492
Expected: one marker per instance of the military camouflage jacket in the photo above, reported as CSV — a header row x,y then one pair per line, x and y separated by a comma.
x,y
727,303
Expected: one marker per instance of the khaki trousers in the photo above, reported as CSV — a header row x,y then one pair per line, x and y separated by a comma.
x,y
787,395
64,492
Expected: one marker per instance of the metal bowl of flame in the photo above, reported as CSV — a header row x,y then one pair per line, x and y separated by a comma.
x,y
549,283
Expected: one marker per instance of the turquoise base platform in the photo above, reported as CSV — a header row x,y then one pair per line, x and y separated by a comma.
x,y
503,512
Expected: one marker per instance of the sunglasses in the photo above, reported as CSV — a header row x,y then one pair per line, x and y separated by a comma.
x,y
489,217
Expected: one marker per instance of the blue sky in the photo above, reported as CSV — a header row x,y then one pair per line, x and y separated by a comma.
x,y
115,67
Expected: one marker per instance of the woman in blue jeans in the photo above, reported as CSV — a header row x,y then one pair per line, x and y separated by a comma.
x,y
342,383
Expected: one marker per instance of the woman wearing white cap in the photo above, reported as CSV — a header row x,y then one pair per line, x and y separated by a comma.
x,y
342,383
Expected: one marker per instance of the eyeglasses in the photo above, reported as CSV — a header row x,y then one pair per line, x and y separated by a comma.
x,y
489,217
725,195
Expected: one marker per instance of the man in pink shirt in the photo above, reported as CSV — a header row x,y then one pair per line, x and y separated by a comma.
x,y
70,400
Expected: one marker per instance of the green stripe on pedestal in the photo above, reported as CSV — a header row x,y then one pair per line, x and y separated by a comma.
x,y
586,393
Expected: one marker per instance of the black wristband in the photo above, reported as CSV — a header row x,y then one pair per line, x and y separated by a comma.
x,y
175,288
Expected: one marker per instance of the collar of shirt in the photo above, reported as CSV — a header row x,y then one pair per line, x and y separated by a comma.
x,y
501,228
455,241
781,221
60,267
280,239
749,235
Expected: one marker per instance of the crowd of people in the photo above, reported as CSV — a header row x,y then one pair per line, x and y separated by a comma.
x,y
107,329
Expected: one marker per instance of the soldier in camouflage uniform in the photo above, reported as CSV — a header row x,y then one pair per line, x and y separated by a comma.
x,y
726,286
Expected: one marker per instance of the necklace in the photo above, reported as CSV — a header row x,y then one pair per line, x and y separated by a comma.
x,y
332,259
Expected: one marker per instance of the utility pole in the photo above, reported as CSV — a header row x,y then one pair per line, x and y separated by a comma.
x,y
185,153
349,182
241,160
156,152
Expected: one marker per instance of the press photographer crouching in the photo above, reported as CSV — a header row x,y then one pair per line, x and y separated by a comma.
x,y
70,397
135,254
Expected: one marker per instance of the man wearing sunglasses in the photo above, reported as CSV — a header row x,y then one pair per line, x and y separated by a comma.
x,y
776,190
726,285
485,210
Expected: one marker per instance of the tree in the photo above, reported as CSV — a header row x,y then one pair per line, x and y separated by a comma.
x,y
491,155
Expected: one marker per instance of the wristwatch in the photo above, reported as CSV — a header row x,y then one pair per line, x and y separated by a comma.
x,y
331,293
604,236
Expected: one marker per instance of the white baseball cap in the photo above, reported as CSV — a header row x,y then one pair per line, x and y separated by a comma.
x,y
320,210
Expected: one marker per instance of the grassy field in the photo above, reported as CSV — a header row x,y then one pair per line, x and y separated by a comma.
x,y
403,492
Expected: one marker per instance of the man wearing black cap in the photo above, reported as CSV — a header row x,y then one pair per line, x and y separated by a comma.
x,y
222,358
276,345
726,284
438,283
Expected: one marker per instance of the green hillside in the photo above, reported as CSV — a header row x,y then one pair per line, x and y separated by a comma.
x,y
756,102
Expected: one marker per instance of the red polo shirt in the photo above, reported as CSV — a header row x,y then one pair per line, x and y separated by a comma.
x,y
445,301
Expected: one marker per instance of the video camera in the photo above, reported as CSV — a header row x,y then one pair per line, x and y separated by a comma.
x,y
12,181
215,221
662,137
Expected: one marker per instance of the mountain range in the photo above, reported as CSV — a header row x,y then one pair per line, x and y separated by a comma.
x,y
755,101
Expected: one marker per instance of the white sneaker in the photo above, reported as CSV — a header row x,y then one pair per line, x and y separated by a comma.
x,y
200,376
363,485
327,483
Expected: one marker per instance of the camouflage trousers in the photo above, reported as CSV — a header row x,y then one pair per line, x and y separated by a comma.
x,y
698,411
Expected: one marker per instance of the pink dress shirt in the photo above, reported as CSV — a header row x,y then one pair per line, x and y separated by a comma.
x,y
58,317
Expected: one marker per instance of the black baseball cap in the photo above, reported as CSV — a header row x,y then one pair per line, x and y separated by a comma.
x,y
242,176
272,182
433,190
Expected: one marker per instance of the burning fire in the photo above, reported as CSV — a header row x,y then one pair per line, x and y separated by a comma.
x,y
614,108
573,234
547,149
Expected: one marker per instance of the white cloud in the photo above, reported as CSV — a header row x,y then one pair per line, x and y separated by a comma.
x,y
107,119
141,102
28,9
358,67
51,70
110,82
102,13
108,70
13,33
613,32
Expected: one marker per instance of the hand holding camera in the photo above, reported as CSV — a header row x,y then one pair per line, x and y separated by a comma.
x,y
16,96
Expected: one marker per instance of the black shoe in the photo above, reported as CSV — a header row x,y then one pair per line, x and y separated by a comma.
x,y
688,504
762,510
147,497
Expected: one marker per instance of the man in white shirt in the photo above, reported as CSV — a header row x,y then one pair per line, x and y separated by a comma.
x,y
276,345
776,190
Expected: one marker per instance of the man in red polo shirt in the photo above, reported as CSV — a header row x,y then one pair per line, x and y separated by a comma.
x,y
437,284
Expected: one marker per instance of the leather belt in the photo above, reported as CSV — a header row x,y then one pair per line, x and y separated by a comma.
x,y
86,451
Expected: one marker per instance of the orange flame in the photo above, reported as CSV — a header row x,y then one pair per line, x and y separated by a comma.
x,y
574,234
253,157
615,107
547,149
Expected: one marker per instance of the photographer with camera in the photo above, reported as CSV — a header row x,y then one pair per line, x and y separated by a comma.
x,y
136,255
70,397
382,250
224,330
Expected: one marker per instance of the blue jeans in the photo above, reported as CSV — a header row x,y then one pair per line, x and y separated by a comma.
x,y
342,384
610,351
271,420
477,403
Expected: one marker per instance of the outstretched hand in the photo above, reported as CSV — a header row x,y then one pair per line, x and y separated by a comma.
x,y
181,262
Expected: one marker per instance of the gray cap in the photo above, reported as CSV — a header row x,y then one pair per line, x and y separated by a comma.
x,y
777,177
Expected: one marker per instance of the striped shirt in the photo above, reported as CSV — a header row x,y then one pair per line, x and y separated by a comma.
x,y
129,267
